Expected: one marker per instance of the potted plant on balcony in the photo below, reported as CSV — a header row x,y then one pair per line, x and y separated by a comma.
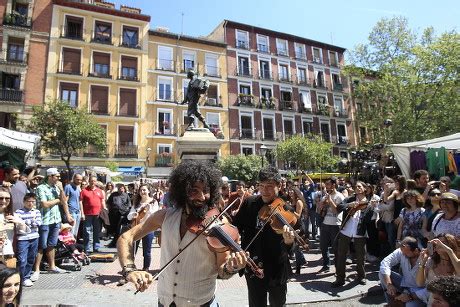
x,y
167,158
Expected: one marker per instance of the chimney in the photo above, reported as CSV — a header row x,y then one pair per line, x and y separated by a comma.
x,y
102,3
131,10
162,29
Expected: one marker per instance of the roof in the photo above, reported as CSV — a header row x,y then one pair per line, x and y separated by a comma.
x,y
188,38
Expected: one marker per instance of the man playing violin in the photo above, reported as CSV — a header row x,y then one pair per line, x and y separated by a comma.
x,y
358,213
238,197
269,250
189,280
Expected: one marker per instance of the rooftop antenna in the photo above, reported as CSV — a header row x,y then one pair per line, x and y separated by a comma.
x,y
182,24
332,40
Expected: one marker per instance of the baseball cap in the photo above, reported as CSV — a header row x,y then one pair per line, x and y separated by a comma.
x,y
52,171
225,179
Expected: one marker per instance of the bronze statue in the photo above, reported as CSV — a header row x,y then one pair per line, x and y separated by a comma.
x,y
196,87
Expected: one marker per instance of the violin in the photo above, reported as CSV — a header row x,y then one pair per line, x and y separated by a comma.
x,y
278,216
220,236
141,212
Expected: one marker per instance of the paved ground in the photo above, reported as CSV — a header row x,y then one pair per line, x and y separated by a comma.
x,y
97,285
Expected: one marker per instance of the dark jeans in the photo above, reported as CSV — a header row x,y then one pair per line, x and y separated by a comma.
x,y
390,228
26,252
258,289
372,243
327,238
146,249
312,221
343,244
91,231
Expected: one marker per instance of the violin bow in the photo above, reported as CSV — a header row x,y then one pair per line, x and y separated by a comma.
x,y
193,240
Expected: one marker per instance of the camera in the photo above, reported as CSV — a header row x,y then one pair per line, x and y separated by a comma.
x,y
436,184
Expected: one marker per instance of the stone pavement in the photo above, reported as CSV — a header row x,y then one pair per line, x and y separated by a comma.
x,y
97,285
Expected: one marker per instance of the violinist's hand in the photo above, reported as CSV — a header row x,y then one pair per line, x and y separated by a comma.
x,y
288,235
141,279
237,261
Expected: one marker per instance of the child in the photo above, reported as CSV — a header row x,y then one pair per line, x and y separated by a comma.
x,y
66,236
27,245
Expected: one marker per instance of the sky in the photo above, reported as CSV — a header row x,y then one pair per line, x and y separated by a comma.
x,y
343,23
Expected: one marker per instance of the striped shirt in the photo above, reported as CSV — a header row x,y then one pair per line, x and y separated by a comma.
x,y
32,218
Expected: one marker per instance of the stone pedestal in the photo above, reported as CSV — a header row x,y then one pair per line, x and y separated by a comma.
x,y
198,144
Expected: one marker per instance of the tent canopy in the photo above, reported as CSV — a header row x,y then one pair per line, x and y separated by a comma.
x,y
17,146
402,151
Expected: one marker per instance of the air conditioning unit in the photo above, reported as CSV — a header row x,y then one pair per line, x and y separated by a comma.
x,y
212,101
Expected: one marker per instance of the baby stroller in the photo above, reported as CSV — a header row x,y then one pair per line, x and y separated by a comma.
x,y
67,259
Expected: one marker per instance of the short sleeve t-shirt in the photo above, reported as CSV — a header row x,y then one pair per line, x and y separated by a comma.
x,y
441,225
91,200
331,217
73,193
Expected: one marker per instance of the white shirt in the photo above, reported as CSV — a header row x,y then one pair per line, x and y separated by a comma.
x,y
6,230
152,208
351,226
409,272
332,218
441,226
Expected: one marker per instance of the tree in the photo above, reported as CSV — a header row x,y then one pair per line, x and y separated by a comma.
x,y
411,79
307,153
241,167
65,130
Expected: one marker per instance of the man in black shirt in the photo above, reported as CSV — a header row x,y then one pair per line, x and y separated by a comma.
x,y
269,250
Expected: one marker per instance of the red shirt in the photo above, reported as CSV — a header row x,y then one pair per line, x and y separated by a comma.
x,y
91,200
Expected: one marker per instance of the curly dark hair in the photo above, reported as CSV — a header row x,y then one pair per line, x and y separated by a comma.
x,y
448,287
187,173
269,173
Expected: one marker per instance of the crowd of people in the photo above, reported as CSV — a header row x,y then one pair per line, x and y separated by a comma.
x,y
411,226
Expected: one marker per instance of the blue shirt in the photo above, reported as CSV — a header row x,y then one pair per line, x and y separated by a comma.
x,y
73,193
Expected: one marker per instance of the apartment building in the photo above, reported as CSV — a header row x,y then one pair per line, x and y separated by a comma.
x,y
24,27
281,85
171,56
97,61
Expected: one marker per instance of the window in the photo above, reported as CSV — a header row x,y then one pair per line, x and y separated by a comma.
x,y
243,63
164,122
286,95
307,127
338,104
211,68
322,105
337,85
99,99
266,92
15,51
165,88
362,134
246,126
102,32
185,119
127,102
128,68
333,59
342,134
165,58
73,28
247,150
319,79
126,142
245,97
262,43
212,95
130,37
188,61
242,39
284,72
245,89
264,70
317,57
288,125
21,8
305,100
184,88
325,134
164,148
213,119
71,61
10,81
302,76
343,154
101,65
269,130
281,47
300,51
69,93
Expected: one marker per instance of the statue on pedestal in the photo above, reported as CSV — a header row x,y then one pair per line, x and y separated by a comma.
x,y
196,87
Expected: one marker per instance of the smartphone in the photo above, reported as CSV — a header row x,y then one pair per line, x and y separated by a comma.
x,y
429,247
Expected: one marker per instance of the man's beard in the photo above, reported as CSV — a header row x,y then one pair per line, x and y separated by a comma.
x,y
198,211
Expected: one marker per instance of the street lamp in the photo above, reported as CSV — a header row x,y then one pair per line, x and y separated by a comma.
x,y
147,160
263,152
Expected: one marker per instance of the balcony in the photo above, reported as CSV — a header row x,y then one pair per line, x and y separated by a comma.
x,y
166,129
286,105
342,140
165,95
269,135
338,87
92,152
317,60
213,102
323,109
14,57
282,52
128,75
300,55
101,38
340,113
165,64
11,95
212,71
302,81
186,65
245,100
244,72
164,159
262,48
241,44
303,109
265,74
268,104
16,20
246,134
320,84
126,151
284,78
132,42
334,64
70,69
98,72
73,32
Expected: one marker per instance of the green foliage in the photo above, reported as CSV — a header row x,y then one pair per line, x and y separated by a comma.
x,y
409,78
308,153
241,167
65,130
113,167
